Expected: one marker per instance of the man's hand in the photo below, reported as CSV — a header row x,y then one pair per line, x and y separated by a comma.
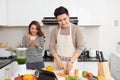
x,y
60,65
69,65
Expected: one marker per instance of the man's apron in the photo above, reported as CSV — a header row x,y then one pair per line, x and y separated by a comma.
x,y
65,48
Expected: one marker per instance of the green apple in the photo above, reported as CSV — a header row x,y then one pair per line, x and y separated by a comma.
x,y
84,74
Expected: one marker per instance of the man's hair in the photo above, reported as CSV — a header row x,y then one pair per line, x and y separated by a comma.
x,y
60,10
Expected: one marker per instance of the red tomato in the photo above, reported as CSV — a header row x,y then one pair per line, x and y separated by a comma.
x,y
89,75
34,78
18,78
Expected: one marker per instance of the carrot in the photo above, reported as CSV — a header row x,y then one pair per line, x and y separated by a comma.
x,y
76,71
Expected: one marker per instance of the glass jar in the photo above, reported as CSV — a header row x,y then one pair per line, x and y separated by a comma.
x,y
7,74
21,55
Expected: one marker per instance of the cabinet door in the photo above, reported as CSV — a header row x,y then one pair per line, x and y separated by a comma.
x,y
22,12
3,12
3,72
50,5
91,12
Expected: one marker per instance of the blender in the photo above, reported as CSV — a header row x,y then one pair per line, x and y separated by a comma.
x,y
21,55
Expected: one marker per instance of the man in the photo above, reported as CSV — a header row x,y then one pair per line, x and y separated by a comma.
x,y
66,43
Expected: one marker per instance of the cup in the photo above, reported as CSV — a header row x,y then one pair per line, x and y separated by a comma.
x,y
32,38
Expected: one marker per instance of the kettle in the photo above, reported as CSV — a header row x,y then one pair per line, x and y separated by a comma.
x,y
21,55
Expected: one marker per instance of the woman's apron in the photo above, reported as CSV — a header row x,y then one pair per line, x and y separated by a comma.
x,y
65,48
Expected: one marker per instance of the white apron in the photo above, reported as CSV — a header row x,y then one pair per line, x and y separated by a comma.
x,y
65,48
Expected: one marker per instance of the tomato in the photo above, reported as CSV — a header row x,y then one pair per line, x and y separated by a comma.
x,y
18,78
34,78
89,75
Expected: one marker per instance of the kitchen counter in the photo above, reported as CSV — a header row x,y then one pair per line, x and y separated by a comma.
x,y
5,61
91,59
21,69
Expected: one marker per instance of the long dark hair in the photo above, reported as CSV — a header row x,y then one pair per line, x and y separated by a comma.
x,y
40,33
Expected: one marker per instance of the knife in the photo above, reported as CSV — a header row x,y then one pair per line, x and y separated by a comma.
x,y
102,57
98,56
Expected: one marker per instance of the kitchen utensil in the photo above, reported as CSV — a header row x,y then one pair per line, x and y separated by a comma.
x,y
103,67
32,38
92,53
46,75
98,56
21,55
102,57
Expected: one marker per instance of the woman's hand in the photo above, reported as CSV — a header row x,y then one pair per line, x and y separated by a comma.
x,y
29,43
60,65
33,42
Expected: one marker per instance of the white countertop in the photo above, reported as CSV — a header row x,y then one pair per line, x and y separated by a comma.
x,y
21,69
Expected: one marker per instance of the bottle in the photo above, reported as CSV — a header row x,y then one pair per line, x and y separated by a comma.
x,y
7,74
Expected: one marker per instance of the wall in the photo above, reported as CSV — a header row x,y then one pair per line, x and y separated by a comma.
x,y
109,33
13,35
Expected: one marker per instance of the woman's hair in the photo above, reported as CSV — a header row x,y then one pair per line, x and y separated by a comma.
x,y
40,33
60,10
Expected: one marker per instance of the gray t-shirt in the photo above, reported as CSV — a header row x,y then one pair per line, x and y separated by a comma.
x,y
34,54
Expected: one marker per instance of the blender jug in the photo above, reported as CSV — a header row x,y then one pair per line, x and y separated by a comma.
x,y
21,55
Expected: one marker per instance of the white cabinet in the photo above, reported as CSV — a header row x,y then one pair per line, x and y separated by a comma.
x,y
115,65
3,12
22,12
50,5
3,71
91,12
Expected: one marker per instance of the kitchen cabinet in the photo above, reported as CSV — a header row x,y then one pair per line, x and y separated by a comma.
x,y
3,12
12,68
115,65
91,12
22,12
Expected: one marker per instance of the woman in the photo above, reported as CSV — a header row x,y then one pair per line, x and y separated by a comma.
x,y
34,41
66,43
